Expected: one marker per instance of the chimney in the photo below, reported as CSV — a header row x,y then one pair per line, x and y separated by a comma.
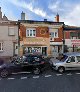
x,y
22,16
45,20
5,18
57,18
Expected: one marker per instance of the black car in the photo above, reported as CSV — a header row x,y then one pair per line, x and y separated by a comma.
x,y
31,63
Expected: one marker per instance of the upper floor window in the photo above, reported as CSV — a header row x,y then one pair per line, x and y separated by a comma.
x,y
1,46
54,34
74,35
11,31
30,32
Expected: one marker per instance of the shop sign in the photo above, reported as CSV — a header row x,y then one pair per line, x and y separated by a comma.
x,y
75,42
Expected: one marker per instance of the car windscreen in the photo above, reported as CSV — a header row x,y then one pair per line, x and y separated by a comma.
x,y
63,58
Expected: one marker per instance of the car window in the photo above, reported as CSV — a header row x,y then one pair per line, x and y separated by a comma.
x,y
78,58
63,58
72,59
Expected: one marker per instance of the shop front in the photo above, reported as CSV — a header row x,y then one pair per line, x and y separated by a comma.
x,y
73,45
56,48
35,49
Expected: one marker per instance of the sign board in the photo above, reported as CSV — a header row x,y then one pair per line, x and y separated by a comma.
x,y
71,42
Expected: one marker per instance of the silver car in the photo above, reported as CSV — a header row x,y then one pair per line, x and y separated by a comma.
x,y
69,61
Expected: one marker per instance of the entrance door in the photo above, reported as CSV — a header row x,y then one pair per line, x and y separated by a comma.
x,y
55,51
44,50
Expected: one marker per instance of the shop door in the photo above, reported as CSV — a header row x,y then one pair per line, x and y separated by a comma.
x,y
44,50
55,51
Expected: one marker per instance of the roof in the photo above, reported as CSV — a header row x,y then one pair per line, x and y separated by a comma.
x,y
38,22
72,54
69,28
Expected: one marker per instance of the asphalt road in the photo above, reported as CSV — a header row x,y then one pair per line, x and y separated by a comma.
x,y
48,81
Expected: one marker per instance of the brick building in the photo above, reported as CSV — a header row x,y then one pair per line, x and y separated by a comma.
x,y
45,37
72,38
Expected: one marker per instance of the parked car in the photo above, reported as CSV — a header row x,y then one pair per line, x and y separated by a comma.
x,y
68,61
31,63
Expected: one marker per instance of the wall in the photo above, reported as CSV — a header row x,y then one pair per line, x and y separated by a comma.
x,y
7,40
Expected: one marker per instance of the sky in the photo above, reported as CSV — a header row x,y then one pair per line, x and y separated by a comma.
x,y
68,10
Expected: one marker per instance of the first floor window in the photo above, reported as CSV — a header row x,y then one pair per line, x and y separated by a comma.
x,y
54,33
30,32
11,31
1,46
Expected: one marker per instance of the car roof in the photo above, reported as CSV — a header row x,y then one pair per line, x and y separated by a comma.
x,y
72,54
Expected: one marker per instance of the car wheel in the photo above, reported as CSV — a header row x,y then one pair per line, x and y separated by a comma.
x,y
36,71
61,69
4,73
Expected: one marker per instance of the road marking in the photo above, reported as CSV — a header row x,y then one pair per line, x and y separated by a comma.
x,y
21,73
77,73
69,74
35,77
23,77
11,78
58,74
14,73
48,75
0,79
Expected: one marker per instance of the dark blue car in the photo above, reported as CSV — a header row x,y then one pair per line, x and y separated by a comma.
x,y
31,63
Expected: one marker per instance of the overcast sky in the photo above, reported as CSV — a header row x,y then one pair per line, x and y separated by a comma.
x,y
68,10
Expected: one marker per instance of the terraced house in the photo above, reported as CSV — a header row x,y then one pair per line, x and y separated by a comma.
x,y
45,37
8,37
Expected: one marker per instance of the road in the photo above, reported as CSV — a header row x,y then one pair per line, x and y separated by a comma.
x,y
48,81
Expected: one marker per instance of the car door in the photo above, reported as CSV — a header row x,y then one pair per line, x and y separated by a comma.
x,y
27,64
71,63
78,62
14,67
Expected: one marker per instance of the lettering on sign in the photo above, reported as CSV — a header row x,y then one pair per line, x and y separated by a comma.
x,y
75,42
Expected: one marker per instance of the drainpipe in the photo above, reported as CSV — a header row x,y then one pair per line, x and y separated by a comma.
x,y
18,38
63,38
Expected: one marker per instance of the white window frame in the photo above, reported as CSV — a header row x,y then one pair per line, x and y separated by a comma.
x,y
29,32
54,34
1,43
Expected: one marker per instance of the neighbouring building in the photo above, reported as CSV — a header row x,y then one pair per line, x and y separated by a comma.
x,y
72,38
8,37
45,37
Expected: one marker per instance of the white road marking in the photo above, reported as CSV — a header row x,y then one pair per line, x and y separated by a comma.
x,y
23,77
48,75
77,73
35,77
11,78
69,74
58,74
